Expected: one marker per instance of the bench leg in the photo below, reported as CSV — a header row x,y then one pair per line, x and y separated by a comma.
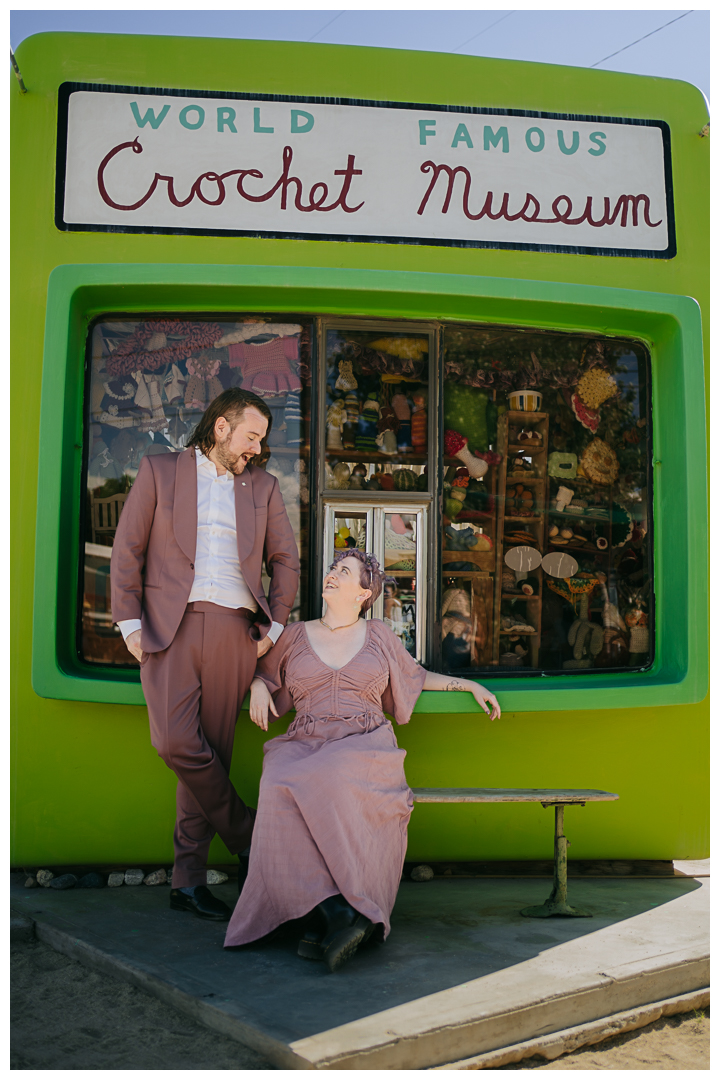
x,y
556,903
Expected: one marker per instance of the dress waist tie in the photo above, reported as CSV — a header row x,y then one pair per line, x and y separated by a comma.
x,y
305,722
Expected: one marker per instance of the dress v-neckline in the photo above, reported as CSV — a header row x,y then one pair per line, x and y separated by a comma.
x,y
354,655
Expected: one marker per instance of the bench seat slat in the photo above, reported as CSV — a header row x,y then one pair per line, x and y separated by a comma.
x,y
515,795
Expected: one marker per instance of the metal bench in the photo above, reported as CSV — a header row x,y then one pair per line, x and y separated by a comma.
x,y
556,903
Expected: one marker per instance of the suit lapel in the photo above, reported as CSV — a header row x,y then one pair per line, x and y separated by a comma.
x,y
185,518
244,513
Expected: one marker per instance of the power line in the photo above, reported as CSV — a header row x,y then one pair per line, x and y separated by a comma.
x,y
502,17
323,28
679,17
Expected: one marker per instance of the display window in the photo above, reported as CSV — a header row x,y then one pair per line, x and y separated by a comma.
x,y
149,382
501,476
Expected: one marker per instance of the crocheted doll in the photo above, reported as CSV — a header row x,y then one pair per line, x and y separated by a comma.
x,y
368,425
401,408
336,417
352,408
266,368
387,426
418,424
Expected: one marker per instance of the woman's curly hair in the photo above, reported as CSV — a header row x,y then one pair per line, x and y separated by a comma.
x,y
371,575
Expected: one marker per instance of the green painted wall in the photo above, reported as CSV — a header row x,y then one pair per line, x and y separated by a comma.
x,y
86,784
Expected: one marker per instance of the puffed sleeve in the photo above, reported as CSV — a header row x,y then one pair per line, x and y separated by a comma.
x,y
406,680
271,669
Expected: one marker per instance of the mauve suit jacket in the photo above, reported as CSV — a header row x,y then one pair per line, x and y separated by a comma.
x,y
152,568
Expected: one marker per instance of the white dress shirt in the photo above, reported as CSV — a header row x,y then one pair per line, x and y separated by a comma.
x,y
218,577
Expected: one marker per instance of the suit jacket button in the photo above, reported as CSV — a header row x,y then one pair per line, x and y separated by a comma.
x,y
192,566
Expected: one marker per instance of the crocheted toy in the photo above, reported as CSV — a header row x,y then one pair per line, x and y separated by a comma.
x,y
456,445
368,425
340,476
266,368
203,385
418,423
336,417
352,408
346,379
387,426
401,408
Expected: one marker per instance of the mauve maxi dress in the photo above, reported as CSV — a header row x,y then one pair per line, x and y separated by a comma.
x,y
334,803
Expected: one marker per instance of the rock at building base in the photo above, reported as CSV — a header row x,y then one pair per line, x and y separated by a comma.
x,y
216,877
116,878
31,883
44,877
134,877
158,877
422,873
91,881
65,881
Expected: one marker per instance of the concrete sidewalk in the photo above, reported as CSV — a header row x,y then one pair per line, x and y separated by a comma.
x,y
463,973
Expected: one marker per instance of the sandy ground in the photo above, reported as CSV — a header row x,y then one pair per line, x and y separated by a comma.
x,y
675,1042
64,1016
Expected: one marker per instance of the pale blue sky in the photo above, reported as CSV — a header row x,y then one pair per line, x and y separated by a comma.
x,y
581,38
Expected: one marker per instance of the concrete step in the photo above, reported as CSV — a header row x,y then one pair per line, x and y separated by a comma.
x,y
462,974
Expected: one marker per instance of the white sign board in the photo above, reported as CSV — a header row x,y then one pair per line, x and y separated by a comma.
x,y
385,172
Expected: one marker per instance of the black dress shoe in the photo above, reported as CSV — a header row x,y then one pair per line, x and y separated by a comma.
x,y
343,930
202,903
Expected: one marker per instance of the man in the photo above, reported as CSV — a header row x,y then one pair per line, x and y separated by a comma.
x,y
187,595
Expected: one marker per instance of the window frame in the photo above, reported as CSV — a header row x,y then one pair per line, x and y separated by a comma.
x,y
668,326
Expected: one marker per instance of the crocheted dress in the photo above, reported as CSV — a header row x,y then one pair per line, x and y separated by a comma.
x,y
266,368
334,804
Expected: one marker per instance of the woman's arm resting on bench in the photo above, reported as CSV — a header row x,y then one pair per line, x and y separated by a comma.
x,y
433,681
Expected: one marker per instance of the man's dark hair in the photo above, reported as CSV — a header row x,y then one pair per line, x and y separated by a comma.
x,y
231,404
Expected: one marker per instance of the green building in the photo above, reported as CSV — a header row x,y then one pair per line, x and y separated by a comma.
x,y
472,293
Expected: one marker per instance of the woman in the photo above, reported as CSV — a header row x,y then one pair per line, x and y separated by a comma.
x,y
331,828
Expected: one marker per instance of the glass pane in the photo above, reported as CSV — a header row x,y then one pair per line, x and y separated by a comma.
x,y
401,561
546,559
376,411
149,382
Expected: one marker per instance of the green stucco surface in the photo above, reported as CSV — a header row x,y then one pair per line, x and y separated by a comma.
x,y
86,784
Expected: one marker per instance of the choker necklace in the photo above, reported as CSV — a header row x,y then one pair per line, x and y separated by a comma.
x,y
332,629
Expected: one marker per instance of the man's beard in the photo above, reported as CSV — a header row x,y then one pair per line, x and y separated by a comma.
x,y
234,463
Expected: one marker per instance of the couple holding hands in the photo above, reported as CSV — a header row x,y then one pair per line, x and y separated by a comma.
x,y
327,842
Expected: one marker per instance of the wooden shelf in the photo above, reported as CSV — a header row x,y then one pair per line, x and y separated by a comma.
x,y
525,448
529,520
466,573
518,633
288,451
578,517
361,456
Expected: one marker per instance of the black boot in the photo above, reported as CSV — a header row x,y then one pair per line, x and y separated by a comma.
x,y
343,930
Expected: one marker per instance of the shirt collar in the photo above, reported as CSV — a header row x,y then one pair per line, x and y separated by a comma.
x,y
208,466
